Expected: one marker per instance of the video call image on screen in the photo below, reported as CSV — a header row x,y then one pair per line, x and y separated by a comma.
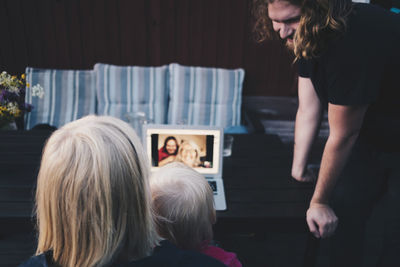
x,y
196,150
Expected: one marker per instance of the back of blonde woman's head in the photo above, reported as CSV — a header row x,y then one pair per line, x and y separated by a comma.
x,y
184,203
93,198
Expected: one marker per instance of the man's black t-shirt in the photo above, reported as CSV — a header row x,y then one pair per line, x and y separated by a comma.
x,y
360,67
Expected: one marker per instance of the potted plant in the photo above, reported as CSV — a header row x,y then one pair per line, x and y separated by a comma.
x,y
12,99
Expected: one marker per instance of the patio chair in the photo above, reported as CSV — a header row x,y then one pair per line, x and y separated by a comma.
x,y
205,96
68,95
124,91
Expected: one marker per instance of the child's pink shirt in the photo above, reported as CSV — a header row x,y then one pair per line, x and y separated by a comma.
x,y
227,258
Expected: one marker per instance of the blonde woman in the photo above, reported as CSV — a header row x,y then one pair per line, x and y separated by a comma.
x,y
184,203
93,201
189,153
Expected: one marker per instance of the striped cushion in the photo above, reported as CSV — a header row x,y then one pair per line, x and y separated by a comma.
x,y
131,89
205,96
69,95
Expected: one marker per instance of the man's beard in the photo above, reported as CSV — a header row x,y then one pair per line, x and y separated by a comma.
x,y
289,42
290,45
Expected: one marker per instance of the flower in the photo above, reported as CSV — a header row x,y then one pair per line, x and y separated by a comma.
x,y
12,97
38,91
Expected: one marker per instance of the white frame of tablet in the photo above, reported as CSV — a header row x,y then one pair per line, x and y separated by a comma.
x,y
170,129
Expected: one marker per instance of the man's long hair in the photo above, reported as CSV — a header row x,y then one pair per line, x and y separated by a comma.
x,y
321,20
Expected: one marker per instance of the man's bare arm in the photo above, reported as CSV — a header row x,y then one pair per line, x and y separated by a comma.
x,y
345,123
308,119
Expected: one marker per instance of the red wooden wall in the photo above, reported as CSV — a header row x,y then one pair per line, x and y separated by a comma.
x,y
76,34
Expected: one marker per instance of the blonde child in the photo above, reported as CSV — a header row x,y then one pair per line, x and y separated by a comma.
x,y
184,206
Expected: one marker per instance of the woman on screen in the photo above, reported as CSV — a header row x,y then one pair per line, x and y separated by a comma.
x,y
189,153
168,152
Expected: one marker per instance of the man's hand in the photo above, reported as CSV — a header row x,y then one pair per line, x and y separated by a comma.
x,y
321,220
309,175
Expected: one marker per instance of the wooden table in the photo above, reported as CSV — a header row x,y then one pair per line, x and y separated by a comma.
x,y
258,182
20,154
260,193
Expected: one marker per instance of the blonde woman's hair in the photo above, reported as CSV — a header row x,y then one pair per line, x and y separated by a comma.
x,y
93,200
184,203
183,146
321,20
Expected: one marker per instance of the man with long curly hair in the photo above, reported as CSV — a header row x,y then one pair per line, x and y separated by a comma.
x,y
348,56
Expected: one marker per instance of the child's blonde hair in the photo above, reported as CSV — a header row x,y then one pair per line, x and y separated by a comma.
x,y
184,203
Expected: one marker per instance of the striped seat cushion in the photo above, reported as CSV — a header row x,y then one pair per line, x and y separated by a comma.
x,y
132,89
68,95
205,96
